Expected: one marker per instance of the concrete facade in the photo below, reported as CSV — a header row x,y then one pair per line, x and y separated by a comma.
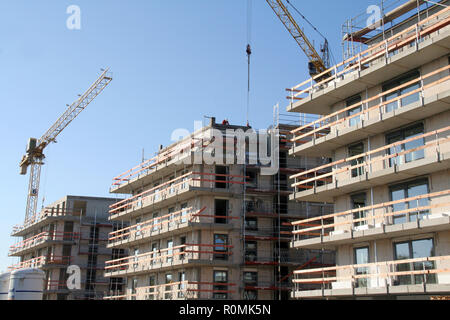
x,y
207,231
72,231
385,129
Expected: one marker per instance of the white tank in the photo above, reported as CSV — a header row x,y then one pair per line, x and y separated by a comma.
x,y
26,284
4,285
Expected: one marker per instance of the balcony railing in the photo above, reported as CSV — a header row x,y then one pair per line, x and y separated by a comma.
x,y
42,261
165,223
42,238
175,187
382,51
428,270
341,120
177,291
45,213
426,206
151,164
169,257
375,160
55,285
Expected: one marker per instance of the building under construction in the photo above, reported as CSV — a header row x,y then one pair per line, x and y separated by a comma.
x,y
71,231
209,231
384,115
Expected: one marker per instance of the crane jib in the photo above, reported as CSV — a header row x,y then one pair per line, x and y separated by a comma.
x,y
34,156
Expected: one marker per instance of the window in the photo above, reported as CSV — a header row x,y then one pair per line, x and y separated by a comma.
x,y
361,257
409,190
184,180
413,250
403,134
184,212
155,221
220,241
355,150
151,289
251,224
394,105
220,285
359,201
156,192
221,211
155,252
182,249
171,216
251,278
168,287
169,258
171,185
182,284
136,258
138,227
221,175
250,295
352,101
252,179
251,250
134,285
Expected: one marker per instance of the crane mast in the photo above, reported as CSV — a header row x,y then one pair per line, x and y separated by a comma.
x,y
316,63
34,157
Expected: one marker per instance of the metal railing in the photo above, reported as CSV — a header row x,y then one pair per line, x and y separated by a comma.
x,y
340,119
417,207
43,237
376,275
176,186
177,255
375,160
382,51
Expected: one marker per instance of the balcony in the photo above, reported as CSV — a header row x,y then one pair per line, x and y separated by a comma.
x,y
429,275
274,257
269,233
42,219
51,261
393,162
164,163
427,213
175,190
183,290
192,254
415,46
340,129
175,223
42,240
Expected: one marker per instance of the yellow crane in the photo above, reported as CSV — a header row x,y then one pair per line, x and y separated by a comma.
x,y
317,64
34,156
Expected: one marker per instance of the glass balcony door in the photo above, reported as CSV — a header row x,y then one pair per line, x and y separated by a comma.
x,y
361,257
409,190
413,250
404,134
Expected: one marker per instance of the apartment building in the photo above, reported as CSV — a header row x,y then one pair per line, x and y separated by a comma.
x,y
202,230
384,117
72,231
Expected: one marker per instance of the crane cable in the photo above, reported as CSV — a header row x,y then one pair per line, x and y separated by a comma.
x,y
249,53
312,26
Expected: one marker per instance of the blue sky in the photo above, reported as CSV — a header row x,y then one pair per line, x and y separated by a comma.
x,y
173,63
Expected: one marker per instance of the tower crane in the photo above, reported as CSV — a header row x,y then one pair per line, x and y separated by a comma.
x,y
34,157
317,64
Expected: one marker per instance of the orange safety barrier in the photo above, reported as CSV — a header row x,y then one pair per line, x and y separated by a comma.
x,y
384,48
